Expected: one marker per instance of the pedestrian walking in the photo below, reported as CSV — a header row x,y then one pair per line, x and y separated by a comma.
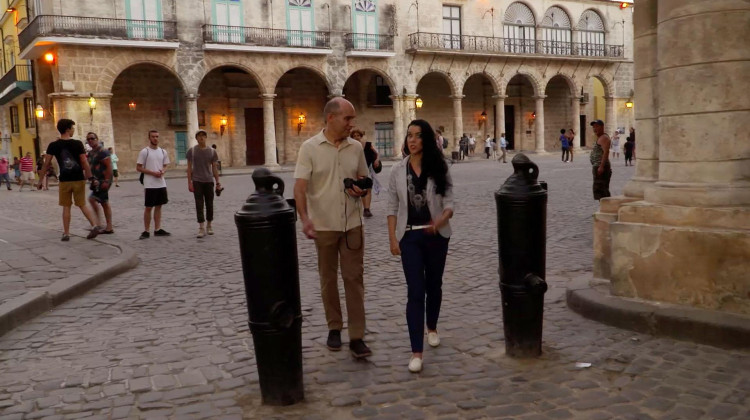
x,y
628,147
202,170
27,171
372,158
503,147
101,170
565,143
600,166
113,157
472,145
74,170
16,166
420,205
41,175
152,164
463,147
488,146
330,215
632,138
4,168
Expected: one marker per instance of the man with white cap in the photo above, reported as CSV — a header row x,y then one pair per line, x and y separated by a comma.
x,y
202,170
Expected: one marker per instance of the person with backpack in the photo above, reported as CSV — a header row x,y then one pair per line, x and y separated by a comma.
x,y
74,170
152,164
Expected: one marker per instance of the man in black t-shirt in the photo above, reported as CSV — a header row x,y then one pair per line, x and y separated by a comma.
x,y
74,169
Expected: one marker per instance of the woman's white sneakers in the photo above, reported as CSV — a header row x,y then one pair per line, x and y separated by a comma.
x,y
433,339
415,365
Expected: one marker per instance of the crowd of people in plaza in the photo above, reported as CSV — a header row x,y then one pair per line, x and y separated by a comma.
x,y
330,200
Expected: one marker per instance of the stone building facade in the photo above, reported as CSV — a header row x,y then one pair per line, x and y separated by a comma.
x,y
17,107
255,74
681,231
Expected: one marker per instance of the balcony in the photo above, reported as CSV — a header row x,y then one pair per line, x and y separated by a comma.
x,y
242,38
368,45
15,82
46,30
493,46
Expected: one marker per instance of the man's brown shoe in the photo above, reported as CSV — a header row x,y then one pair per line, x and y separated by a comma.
x,y
359,349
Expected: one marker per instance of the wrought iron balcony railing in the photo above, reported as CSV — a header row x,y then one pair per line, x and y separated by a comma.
x,y
368,42
495,45
265,37
95,27
18,73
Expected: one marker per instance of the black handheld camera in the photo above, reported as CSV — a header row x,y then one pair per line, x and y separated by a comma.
x,y
363,184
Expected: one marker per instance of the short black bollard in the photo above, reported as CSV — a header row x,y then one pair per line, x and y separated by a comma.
x,y
268,247
521,233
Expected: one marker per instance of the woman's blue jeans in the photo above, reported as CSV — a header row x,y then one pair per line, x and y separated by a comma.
x,y
423,258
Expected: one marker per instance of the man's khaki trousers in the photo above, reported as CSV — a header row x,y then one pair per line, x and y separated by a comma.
x,y
350,248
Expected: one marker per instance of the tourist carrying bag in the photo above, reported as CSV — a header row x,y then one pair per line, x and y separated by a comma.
x,y
144,165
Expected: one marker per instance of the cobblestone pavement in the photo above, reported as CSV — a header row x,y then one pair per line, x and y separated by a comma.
x,y
34,258
169,339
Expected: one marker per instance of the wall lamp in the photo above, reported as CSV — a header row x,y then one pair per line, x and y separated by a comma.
x,y
629,103
92,102
301,119
49,58
222,124
39,111
482,118
418,103
131,105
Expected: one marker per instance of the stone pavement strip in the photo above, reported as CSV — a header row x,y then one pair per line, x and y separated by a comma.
x,y
39,271
169,339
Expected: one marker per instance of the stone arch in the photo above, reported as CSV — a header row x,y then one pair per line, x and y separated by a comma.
x,y
319,72
574,88
493,81
116,66
445,75
608,84
534,80
211,66
380,72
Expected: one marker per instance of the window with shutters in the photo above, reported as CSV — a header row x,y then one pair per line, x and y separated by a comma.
x,y
300,19
519,29
144,19
452,27
228,21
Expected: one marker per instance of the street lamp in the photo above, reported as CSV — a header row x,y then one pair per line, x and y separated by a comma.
x,y
222,124
39,111
419,102
131,105
301,119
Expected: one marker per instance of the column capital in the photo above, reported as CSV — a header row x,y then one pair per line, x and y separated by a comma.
x,y
335,95
610,98
499,97
457,97
538,97
191,96
407,96
267,96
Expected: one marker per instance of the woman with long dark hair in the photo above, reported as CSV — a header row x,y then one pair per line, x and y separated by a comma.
x,y
420,205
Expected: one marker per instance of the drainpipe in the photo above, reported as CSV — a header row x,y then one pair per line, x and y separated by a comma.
x,y
37,143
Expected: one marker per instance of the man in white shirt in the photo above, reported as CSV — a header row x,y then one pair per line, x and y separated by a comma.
x,y
472,145
152,164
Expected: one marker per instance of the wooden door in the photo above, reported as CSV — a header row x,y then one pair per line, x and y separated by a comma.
x,y
510,127
254,138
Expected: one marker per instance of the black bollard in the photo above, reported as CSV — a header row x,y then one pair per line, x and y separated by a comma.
x,y
268,247
521,236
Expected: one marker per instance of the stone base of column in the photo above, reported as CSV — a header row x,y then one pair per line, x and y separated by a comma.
x,y
685,255
272,166
699,194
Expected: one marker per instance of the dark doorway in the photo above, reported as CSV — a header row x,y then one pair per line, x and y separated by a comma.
x,y
510,126
254,138
584,129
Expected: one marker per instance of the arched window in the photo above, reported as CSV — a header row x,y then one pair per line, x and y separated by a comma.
x,y
556,32
591,34
519,29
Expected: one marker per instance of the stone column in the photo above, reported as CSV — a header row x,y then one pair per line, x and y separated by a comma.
x,y
688,240
646,96
458,121
610,123
398,125
269,132
499,116
576,123
539,124
191,107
